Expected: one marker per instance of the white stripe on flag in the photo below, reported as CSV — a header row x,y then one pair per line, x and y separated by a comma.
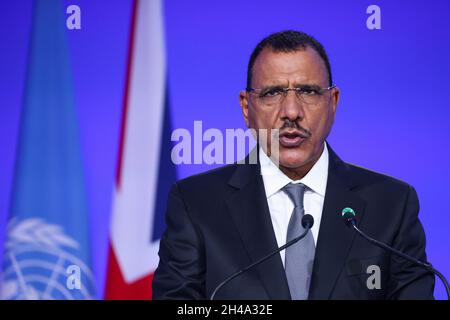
x,y
134,202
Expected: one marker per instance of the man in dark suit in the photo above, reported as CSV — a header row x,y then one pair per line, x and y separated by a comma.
x,y
221,221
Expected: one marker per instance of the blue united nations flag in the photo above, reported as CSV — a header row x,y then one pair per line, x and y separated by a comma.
x,y
46,252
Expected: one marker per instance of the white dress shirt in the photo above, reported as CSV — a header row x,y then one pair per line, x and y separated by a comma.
x,y
281,206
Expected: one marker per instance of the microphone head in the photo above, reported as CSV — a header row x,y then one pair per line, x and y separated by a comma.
x,y
349,216
307,221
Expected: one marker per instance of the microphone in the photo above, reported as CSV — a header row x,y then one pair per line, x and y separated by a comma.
x,y
307,223
349,217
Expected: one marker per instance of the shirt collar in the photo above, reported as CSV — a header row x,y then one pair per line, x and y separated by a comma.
x,y
274,179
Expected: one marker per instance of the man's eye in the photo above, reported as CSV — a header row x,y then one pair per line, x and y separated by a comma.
x,y
271,93
309,91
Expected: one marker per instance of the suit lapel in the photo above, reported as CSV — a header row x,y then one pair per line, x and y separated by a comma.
x,y
335,239
250,212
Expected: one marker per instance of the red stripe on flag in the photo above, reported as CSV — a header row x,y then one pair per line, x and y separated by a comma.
x,y
118,289
126,92
116,286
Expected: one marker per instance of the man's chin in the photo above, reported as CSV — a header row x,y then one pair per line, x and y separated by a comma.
x,y
292,159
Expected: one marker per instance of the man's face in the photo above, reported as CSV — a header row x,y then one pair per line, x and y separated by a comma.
x,y
303,127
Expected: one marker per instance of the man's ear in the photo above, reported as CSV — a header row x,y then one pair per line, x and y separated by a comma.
x,y
243,101
335,98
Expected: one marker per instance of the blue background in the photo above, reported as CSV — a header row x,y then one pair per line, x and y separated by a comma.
x,y
392,117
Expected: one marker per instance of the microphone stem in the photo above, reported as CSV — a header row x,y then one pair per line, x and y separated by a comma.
x,y
234,275
444,281
425,265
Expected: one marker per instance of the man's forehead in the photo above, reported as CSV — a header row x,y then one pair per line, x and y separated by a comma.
x,y
300,66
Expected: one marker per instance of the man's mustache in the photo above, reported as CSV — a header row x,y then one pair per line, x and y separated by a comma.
x,y
289,124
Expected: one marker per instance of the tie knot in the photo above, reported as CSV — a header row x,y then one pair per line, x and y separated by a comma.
x,y
295,191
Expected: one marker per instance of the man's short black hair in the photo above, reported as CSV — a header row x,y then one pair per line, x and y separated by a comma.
x,y
288,41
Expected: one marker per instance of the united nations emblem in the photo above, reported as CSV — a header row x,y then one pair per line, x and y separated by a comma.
x,y
42,262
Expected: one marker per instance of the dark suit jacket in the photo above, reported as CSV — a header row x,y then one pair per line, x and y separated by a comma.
x,y
218,222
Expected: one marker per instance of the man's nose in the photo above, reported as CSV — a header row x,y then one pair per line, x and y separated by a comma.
x,y
291,106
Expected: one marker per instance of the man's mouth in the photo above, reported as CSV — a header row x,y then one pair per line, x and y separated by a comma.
x,y
292,138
